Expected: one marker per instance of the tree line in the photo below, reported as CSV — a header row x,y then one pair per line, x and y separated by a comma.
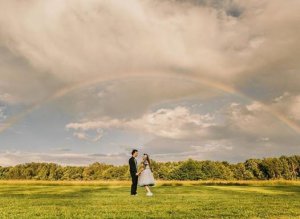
x,y
284,167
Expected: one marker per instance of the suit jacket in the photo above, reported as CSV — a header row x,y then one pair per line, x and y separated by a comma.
x,y
133,166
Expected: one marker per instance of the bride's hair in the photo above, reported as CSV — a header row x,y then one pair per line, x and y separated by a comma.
x,y
148,160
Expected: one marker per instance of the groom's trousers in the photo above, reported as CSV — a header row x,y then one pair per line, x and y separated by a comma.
x,y
134,184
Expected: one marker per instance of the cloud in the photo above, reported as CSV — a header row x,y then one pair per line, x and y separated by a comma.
x,y
21,83
295,109
76,41
253,121
3,115
85,136
132,97
61,43
288,104
177,123
61,149
245,131
130,64
213,146
7,98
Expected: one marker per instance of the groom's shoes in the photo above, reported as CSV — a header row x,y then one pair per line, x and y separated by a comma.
x,y
134,195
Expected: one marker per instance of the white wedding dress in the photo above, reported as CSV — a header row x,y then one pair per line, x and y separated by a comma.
x,y
146,177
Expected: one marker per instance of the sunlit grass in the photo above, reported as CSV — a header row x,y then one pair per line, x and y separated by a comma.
x,y
172,199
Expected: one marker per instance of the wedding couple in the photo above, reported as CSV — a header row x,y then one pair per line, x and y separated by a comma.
x,y
141,175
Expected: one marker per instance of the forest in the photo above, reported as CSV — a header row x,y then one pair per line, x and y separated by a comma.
x,y
284,167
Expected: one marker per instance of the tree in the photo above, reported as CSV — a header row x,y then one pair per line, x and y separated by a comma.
x,y
116,172
253,165
188,170
268,168
216,170
72,173
240,172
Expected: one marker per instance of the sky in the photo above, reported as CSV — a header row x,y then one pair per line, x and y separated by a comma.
x,y
85,81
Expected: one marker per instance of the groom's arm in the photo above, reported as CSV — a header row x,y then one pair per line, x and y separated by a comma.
x,y
132,166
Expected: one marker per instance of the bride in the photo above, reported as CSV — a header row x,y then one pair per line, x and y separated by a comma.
x,y
146,178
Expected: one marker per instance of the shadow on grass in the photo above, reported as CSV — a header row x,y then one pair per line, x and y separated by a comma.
x,y
277,190
287,189
51,192
172,184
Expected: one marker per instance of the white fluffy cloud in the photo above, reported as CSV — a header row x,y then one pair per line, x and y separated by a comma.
x,y
177,123
84,136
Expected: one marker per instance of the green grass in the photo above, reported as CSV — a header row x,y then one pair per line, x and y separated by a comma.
x,y
34,199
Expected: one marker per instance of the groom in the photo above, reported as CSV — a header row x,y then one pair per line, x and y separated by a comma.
x,y
133,171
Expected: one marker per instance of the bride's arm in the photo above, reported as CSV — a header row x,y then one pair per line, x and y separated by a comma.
x,y
141,168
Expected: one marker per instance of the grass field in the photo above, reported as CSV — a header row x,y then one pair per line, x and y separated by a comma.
x,y
209,199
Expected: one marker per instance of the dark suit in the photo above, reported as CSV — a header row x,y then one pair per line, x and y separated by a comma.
x,y
134,177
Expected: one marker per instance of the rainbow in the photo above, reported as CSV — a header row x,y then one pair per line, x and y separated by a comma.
x,y
192,78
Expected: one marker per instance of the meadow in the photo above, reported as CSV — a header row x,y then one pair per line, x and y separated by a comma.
x,y
172,199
